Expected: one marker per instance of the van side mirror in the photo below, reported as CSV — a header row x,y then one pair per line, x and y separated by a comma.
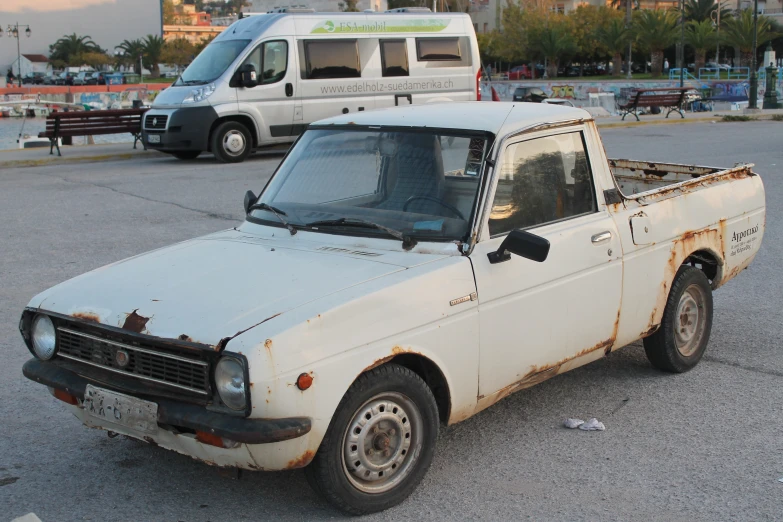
x,y
247,76
523,244
250,198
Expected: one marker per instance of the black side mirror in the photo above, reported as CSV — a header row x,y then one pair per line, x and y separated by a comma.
x,y
523,244
250,198
247,75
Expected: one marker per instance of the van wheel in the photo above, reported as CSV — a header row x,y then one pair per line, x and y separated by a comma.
x,y
186,154
682,338
379,444
231,142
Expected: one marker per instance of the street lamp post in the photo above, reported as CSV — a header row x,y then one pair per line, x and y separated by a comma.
x,y
13,32
754,79
681,50
716,19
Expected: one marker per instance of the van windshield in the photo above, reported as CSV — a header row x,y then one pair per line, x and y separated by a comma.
x,y
421,184
212,62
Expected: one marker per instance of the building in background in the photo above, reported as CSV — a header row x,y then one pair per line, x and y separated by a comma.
x,y
31,63
192,33
320,6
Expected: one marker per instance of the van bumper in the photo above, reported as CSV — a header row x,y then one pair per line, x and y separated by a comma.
x,y
178,129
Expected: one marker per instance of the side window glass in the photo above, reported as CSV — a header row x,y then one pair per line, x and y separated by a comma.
x,y
394,57
542,180
332,59
275,62
438,49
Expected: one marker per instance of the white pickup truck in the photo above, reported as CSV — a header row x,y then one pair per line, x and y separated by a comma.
x,y
402,268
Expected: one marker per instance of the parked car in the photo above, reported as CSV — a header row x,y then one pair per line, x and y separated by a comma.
x,y
64,78
98,78
719,66
529,94
426,295
49,79
83,78
36,78
520,72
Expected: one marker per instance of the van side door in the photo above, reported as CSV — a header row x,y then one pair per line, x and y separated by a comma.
x,y
538,317
271,103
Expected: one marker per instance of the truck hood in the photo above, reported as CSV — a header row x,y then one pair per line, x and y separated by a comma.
x,y
217,286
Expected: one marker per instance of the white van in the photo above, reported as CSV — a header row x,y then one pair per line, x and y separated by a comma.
x,y
266,77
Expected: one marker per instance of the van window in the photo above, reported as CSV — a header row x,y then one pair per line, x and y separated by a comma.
x,y
438,49
394,57
332,59
542,180
270,60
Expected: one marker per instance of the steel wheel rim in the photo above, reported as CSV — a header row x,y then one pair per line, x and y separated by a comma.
x,y
689,321
234,143
381,443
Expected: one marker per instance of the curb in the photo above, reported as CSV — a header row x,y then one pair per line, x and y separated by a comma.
x,y
115,156
715,118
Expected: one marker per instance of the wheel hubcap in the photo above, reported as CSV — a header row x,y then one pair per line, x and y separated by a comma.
x,y
381,443
234,142
689,323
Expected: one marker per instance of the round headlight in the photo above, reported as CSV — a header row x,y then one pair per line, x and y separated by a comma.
x,y
44,337
230,382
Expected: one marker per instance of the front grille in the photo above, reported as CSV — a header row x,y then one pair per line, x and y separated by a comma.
x,y
155,121
145,363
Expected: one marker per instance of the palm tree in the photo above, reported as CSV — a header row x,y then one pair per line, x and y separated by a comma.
x,y
701,10
701,36
131,50
71,46
739,33
656,30
153,49
554,43
614,36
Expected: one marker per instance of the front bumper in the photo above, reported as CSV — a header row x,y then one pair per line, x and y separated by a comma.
x,y
185,128
180,414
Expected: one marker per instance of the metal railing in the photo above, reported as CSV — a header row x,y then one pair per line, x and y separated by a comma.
x,y
739,73
709,73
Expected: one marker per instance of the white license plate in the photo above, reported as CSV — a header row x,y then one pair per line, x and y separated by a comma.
x,y
124,410
153,138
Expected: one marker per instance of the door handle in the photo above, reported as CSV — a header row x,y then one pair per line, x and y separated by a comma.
x,y
289,89
601,237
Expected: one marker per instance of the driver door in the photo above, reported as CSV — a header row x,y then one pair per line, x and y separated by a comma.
x,y
272,102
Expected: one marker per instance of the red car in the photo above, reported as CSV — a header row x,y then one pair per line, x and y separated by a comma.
x,y
520,72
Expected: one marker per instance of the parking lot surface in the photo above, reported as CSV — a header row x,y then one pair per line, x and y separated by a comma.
x,y
705,445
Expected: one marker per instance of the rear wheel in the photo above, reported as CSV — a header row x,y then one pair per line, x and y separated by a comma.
x,y
231,142
186,154
379,444
682,338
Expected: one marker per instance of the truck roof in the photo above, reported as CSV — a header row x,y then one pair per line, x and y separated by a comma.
x,y
498,118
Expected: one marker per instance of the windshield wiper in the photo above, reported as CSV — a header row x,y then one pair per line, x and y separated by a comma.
x,y
407,241
277,212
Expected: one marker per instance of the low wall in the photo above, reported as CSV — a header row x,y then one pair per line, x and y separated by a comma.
x,y
96,96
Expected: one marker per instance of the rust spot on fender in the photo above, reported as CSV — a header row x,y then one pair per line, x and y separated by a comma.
x,y
87,316
268,346
301,461
135,322
395,351
186,337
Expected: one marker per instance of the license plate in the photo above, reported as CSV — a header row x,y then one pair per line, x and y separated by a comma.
x,y
124,410
153,138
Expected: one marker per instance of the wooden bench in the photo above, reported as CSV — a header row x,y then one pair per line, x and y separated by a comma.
x,y
671,98
90,123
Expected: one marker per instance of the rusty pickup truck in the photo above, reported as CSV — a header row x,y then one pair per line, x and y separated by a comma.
x,y
401,269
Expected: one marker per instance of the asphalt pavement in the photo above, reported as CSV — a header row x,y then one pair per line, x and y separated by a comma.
x,y
705,445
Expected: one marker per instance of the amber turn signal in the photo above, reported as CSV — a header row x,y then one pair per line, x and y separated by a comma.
x,y
304,381
66,397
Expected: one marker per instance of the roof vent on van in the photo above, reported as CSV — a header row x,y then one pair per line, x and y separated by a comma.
x,y
410,10
292,10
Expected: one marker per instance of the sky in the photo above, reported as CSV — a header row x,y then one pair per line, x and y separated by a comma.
x,y
108,22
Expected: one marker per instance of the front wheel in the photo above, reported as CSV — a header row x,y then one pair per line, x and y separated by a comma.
x,y
682,338
231,142
379,444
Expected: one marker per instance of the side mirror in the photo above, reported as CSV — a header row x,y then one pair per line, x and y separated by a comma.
x,y
247,75
523,244
250,198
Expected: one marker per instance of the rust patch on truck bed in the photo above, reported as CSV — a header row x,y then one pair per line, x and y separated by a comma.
x,y
135,322
301,461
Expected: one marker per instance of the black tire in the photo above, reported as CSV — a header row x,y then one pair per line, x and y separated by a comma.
x,y
668,349
186,154
336,480
231,142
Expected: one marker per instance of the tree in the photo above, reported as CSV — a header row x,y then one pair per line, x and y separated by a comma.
x,y
153,49
554,42
349,6
739,33
169,12
130,52
614,37
701,36
179,52
656,30
586,20
96,60
70,46
701,10
514,41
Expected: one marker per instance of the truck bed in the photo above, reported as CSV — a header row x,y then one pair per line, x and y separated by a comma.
x,y
642,177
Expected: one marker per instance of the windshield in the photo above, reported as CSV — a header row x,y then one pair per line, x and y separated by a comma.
x,y
212,62
422,185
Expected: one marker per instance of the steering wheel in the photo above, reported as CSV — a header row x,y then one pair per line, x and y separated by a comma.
x,y
436,200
